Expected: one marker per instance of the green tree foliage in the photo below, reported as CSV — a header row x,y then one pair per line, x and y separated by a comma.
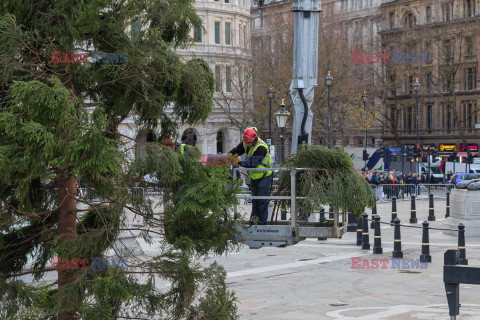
x,y
59,127
333,180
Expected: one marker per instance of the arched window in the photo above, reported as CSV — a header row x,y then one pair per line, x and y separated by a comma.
x,y
144,137
220,141
410,21
189,137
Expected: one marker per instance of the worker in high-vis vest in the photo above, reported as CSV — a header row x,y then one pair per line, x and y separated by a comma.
x,y
180,148
257,155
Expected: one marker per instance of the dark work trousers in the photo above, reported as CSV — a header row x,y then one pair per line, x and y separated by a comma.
x,y
260,187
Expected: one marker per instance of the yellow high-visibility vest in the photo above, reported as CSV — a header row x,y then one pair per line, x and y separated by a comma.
x,y
266,162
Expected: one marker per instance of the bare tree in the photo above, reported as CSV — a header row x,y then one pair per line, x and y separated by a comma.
x,y
235,98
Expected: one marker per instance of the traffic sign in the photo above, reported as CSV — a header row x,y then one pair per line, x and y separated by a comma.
x,y
476,160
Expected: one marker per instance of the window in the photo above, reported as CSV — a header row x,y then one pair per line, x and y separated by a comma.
x,y
429,14
228,76
217,32
448,50
448,11
245,77
245,36
447,84
410,21
392,84
429,117
240,79
240,35
410,118
393,113
228,39
429,81
218,79
469,8
469,45
198,34
410,85
227,1
470,115
449,117
392,20
470,78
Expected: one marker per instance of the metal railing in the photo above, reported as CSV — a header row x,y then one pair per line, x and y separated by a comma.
x,y
292,197
385,192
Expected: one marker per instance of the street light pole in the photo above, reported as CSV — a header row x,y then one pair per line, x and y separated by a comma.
x,y
417,89
282,117
270,95
365,119
282,145
328,84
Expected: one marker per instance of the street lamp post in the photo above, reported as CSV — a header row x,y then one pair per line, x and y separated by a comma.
x,y
328,84
270,95
417,89
364,96
282,117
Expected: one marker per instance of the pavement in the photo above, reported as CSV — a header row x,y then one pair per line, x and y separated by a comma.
x,y
330,279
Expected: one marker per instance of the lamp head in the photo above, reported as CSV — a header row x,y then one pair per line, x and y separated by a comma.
x,y
328,80
270,93
416,85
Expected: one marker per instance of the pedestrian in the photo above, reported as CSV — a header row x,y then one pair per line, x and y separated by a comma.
x,y
415,182
391,182
257,156
408,182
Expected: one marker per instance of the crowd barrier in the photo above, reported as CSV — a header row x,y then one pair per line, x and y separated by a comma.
x,y
385,192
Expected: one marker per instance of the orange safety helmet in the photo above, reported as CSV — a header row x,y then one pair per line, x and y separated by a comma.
x,y
249,135
168,142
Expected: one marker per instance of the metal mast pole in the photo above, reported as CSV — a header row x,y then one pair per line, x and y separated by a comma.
x,y
305,65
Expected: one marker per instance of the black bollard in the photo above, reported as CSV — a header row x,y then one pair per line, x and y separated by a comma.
x,y
397,241
413,211
365,235
330,212
322,217
425,256
377,239
351,222
283,215
447,214
374,214
461,245
359,232
394,210
322,213
431,210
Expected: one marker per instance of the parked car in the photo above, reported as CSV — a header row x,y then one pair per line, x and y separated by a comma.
x,y
460,177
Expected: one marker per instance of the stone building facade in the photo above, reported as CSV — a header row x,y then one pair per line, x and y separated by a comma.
x,y
225,45
356,18
224,42
442,40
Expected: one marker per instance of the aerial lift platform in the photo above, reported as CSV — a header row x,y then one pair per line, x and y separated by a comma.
x,y
288,232
305,70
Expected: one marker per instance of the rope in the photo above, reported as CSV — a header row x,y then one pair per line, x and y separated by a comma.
x,y
418,227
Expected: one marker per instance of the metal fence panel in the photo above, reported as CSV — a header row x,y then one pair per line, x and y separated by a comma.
x,y
400,191
438,190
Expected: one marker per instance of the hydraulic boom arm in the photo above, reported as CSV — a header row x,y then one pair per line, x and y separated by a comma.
x,y
305,67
